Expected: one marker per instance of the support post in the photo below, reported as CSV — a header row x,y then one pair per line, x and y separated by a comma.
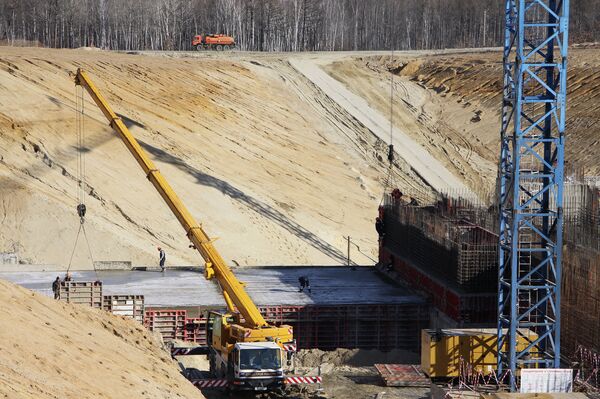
x,y
348,261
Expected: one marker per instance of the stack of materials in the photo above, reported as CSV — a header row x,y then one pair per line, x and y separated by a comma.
x,y
402,375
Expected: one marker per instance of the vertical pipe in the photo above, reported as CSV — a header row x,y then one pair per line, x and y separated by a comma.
x,y
348,261
517,209
559,175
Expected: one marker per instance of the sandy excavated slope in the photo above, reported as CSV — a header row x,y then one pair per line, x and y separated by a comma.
x,y
239,140
450,104
50,349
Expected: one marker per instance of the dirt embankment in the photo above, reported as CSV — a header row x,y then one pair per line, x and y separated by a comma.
x,y
353,357
451,105
474,82
250,157
50,349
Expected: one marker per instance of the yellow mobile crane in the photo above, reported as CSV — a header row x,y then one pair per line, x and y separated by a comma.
x,y
244,348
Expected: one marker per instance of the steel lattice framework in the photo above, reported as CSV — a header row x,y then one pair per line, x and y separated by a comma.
x,y
531,184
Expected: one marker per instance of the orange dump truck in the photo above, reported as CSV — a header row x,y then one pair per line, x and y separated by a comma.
x,y
218,42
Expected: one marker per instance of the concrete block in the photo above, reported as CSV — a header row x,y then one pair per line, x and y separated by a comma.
x,y
8,258
112,265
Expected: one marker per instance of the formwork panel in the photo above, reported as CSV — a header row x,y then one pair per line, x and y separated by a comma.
x,y
131,306
87,293
364,326
446,352
169,323
195,330
463,307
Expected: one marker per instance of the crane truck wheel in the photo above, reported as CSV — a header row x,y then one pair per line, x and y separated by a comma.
x,y
199,47
219,47
226,47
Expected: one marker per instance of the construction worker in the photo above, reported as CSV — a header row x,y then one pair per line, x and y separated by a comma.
x,y
380,227
162,257
68,277
56,287
390,265
304,283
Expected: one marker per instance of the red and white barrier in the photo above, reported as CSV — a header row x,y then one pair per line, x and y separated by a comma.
x,y
303,380
196,350
289,347
222,383
180,351
211,383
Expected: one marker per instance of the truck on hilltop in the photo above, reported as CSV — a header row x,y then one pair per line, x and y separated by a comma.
x,y
218,42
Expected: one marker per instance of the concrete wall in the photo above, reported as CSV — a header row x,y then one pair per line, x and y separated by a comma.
x,y
112,265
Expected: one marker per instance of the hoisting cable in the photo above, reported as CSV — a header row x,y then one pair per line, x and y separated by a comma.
x,y
81,174
389,180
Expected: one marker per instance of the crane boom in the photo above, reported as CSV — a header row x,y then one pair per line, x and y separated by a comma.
x,y
233,290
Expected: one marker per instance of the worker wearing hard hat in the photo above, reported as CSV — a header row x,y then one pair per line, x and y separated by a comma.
x,y
162,257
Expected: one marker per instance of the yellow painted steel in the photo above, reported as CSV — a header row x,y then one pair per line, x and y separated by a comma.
x,y
443,352
215,265
225,334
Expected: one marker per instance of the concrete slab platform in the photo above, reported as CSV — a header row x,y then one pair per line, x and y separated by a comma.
x,y
266,285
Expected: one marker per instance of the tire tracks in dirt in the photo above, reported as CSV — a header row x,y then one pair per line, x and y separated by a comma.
x,y
430,170
358,137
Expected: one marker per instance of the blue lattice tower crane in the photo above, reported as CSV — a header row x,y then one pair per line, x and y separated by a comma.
x,y
531,184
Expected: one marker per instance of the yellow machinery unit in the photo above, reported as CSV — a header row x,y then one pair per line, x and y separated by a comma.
x,y
444,352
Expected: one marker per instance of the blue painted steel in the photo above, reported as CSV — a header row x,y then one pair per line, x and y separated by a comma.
x,y
531,184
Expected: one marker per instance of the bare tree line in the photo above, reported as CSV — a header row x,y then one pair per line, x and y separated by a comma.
x,y
270,25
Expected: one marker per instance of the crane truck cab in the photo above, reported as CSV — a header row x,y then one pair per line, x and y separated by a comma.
x,y
248,363
257,366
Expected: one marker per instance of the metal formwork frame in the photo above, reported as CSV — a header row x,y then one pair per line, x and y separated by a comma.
x,y
531,183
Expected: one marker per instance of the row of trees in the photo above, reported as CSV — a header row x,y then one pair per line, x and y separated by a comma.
x,y
278,25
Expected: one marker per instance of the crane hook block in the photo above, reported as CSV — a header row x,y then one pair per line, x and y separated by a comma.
x,y
209,272
81,209
391,153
